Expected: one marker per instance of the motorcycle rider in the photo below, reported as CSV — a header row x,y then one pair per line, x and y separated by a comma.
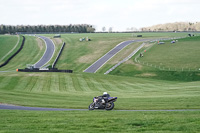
x,y
105,95
103,98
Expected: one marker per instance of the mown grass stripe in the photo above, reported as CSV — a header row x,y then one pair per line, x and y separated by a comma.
x,y
130,86
12,84
37,86
32,83
6,82
76,83
54,83
89,83
97,85
23,82
28,84
124,87
109,85
69,83
83,84
62,84
47,84
105,86
134,85
40,83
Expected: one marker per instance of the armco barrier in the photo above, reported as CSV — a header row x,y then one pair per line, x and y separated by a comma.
x,y
22,45
54,63
49,70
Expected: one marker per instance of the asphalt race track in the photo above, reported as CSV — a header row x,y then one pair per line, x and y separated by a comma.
x,y
13,107
50,48
99,63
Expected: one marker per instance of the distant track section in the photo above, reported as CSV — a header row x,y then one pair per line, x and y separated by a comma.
x,y
50,49
99,63
127,58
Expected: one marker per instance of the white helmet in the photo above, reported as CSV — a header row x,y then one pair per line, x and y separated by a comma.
x,y
105,93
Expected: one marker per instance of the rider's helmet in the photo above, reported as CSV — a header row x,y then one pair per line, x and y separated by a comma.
x,y
105,93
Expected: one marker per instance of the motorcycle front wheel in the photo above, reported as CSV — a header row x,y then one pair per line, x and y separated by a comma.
x,y
109,106
91,106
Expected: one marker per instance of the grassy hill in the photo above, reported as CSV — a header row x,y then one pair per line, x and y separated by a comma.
x,y
80,55
183,54
168,61
7,43
137,87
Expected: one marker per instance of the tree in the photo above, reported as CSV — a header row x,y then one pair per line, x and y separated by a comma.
x,y
84,28
3,29
90,29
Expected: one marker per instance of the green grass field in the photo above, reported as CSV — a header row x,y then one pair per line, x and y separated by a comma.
x,y
168,61
99,121
137,86
7,43
182,54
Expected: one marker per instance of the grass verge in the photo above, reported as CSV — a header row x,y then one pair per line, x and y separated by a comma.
x,y
99,121
7,43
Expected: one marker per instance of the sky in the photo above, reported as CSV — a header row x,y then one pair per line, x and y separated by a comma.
x,y
118,14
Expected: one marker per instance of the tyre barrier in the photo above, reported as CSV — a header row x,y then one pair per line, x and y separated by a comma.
x,y
54,63
22,45
47,70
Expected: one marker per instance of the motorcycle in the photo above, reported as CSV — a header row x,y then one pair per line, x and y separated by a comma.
x,y
101,103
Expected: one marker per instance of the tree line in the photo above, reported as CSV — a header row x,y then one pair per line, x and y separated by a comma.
x,y
177,26
12,29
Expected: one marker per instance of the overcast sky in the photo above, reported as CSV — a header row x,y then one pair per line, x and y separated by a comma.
x,y
119,14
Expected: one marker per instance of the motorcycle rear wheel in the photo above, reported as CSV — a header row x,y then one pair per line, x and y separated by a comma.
x,y
109,106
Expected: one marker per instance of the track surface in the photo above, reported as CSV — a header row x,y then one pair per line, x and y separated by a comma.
x,y
99,63
50,48
13,107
